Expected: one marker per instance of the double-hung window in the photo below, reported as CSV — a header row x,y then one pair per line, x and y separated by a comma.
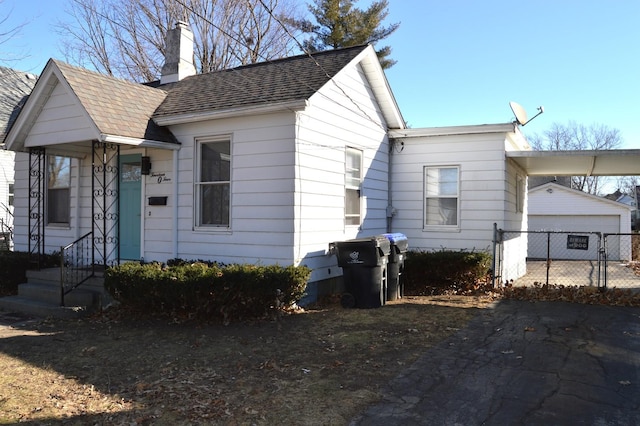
x,y
353,182
58,190
213,183
441,195
11,194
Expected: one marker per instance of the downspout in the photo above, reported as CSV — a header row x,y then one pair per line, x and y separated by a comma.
x,y
175,205
391,211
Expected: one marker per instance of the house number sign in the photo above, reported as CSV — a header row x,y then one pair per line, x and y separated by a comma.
x,y
161,177
578,242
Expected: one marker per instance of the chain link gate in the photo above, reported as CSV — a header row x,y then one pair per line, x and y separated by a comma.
x,y
622,260
548,257
590,259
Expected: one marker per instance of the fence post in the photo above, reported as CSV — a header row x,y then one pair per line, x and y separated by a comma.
x,y
548,255
493,265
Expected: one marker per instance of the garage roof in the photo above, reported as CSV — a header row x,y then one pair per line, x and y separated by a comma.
x,y
615,162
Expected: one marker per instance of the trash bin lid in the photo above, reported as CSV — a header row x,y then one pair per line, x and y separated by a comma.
x,y
369,251
395,237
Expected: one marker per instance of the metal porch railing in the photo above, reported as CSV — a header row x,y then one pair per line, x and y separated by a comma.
x,y
77,264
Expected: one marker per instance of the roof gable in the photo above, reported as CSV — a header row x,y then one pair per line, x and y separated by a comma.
x,y
115,108
570,192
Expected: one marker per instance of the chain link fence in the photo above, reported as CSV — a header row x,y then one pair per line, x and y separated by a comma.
x,y
567,258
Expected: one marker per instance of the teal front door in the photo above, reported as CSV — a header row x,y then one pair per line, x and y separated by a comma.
x,y
130,202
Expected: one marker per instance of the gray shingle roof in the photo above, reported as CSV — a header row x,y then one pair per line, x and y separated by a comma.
x,y
282,80
117,107
15,87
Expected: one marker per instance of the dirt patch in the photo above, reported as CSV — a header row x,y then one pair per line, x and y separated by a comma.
x,y
319,366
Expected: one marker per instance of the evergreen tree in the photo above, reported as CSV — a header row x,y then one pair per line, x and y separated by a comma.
x,y
340,24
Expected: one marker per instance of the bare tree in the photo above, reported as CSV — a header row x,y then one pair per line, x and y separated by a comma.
x,y
573,137
8,30
627,184
125,38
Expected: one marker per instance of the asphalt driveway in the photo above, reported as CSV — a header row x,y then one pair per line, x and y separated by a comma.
x,y
524,363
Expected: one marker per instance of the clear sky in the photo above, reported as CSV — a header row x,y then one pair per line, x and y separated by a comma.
x,y
462,61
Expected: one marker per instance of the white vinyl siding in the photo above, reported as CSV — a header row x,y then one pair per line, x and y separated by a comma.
x,y
7,187
484,186
61,120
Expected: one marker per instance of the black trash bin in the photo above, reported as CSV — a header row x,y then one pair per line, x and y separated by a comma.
x,y
395,265
364,269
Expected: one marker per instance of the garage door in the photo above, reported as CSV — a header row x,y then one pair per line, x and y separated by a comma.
x,y
560,244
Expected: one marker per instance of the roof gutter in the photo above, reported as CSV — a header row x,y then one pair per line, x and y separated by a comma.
x,y
174,119
454,130
146,143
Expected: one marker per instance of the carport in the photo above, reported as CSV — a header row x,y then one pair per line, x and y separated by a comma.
x,y
615,162
570,163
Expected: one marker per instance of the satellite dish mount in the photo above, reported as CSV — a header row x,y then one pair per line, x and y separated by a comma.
x,y
521,114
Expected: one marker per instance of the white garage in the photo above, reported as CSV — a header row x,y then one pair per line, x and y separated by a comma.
x,y
575,218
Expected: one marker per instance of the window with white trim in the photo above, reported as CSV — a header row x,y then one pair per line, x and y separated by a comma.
x,y
58,190
213,183
441,195
11,193
353,183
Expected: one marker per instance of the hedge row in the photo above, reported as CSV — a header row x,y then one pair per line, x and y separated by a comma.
x,y
207,290
432,272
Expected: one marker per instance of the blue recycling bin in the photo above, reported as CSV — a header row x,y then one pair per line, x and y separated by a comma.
x,y
399,245
364,270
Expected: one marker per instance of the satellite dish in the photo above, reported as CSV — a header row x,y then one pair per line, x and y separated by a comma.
x,y
521,114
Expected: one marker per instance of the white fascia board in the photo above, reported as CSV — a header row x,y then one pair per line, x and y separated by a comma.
x,y
381,88
453,130
147,143
232,112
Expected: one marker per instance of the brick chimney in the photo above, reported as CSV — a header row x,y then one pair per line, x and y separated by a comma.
x,y
178,58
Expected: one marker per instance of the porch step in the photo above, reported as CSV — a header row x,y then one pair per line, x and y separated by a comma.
x,y
40,296
40,309
47,293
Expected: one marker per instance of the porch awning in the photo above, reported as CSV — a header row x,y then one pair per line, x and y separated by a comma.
x,y
615,162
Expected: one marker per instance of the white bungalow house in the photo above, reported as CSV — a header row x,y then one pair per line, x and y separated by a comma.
x,y
266,163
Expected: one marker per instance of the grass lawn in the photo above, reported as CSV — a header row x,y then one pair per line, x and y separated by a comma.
x,y
318,366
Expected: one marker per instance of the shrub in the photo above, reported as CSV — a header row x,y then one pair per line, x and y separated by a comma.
x,y
433,272
14,266
206,290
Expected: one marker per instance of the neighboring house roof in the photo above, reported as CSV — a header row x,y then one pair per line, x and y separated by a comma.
x,y
14,91
626,199
284,82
